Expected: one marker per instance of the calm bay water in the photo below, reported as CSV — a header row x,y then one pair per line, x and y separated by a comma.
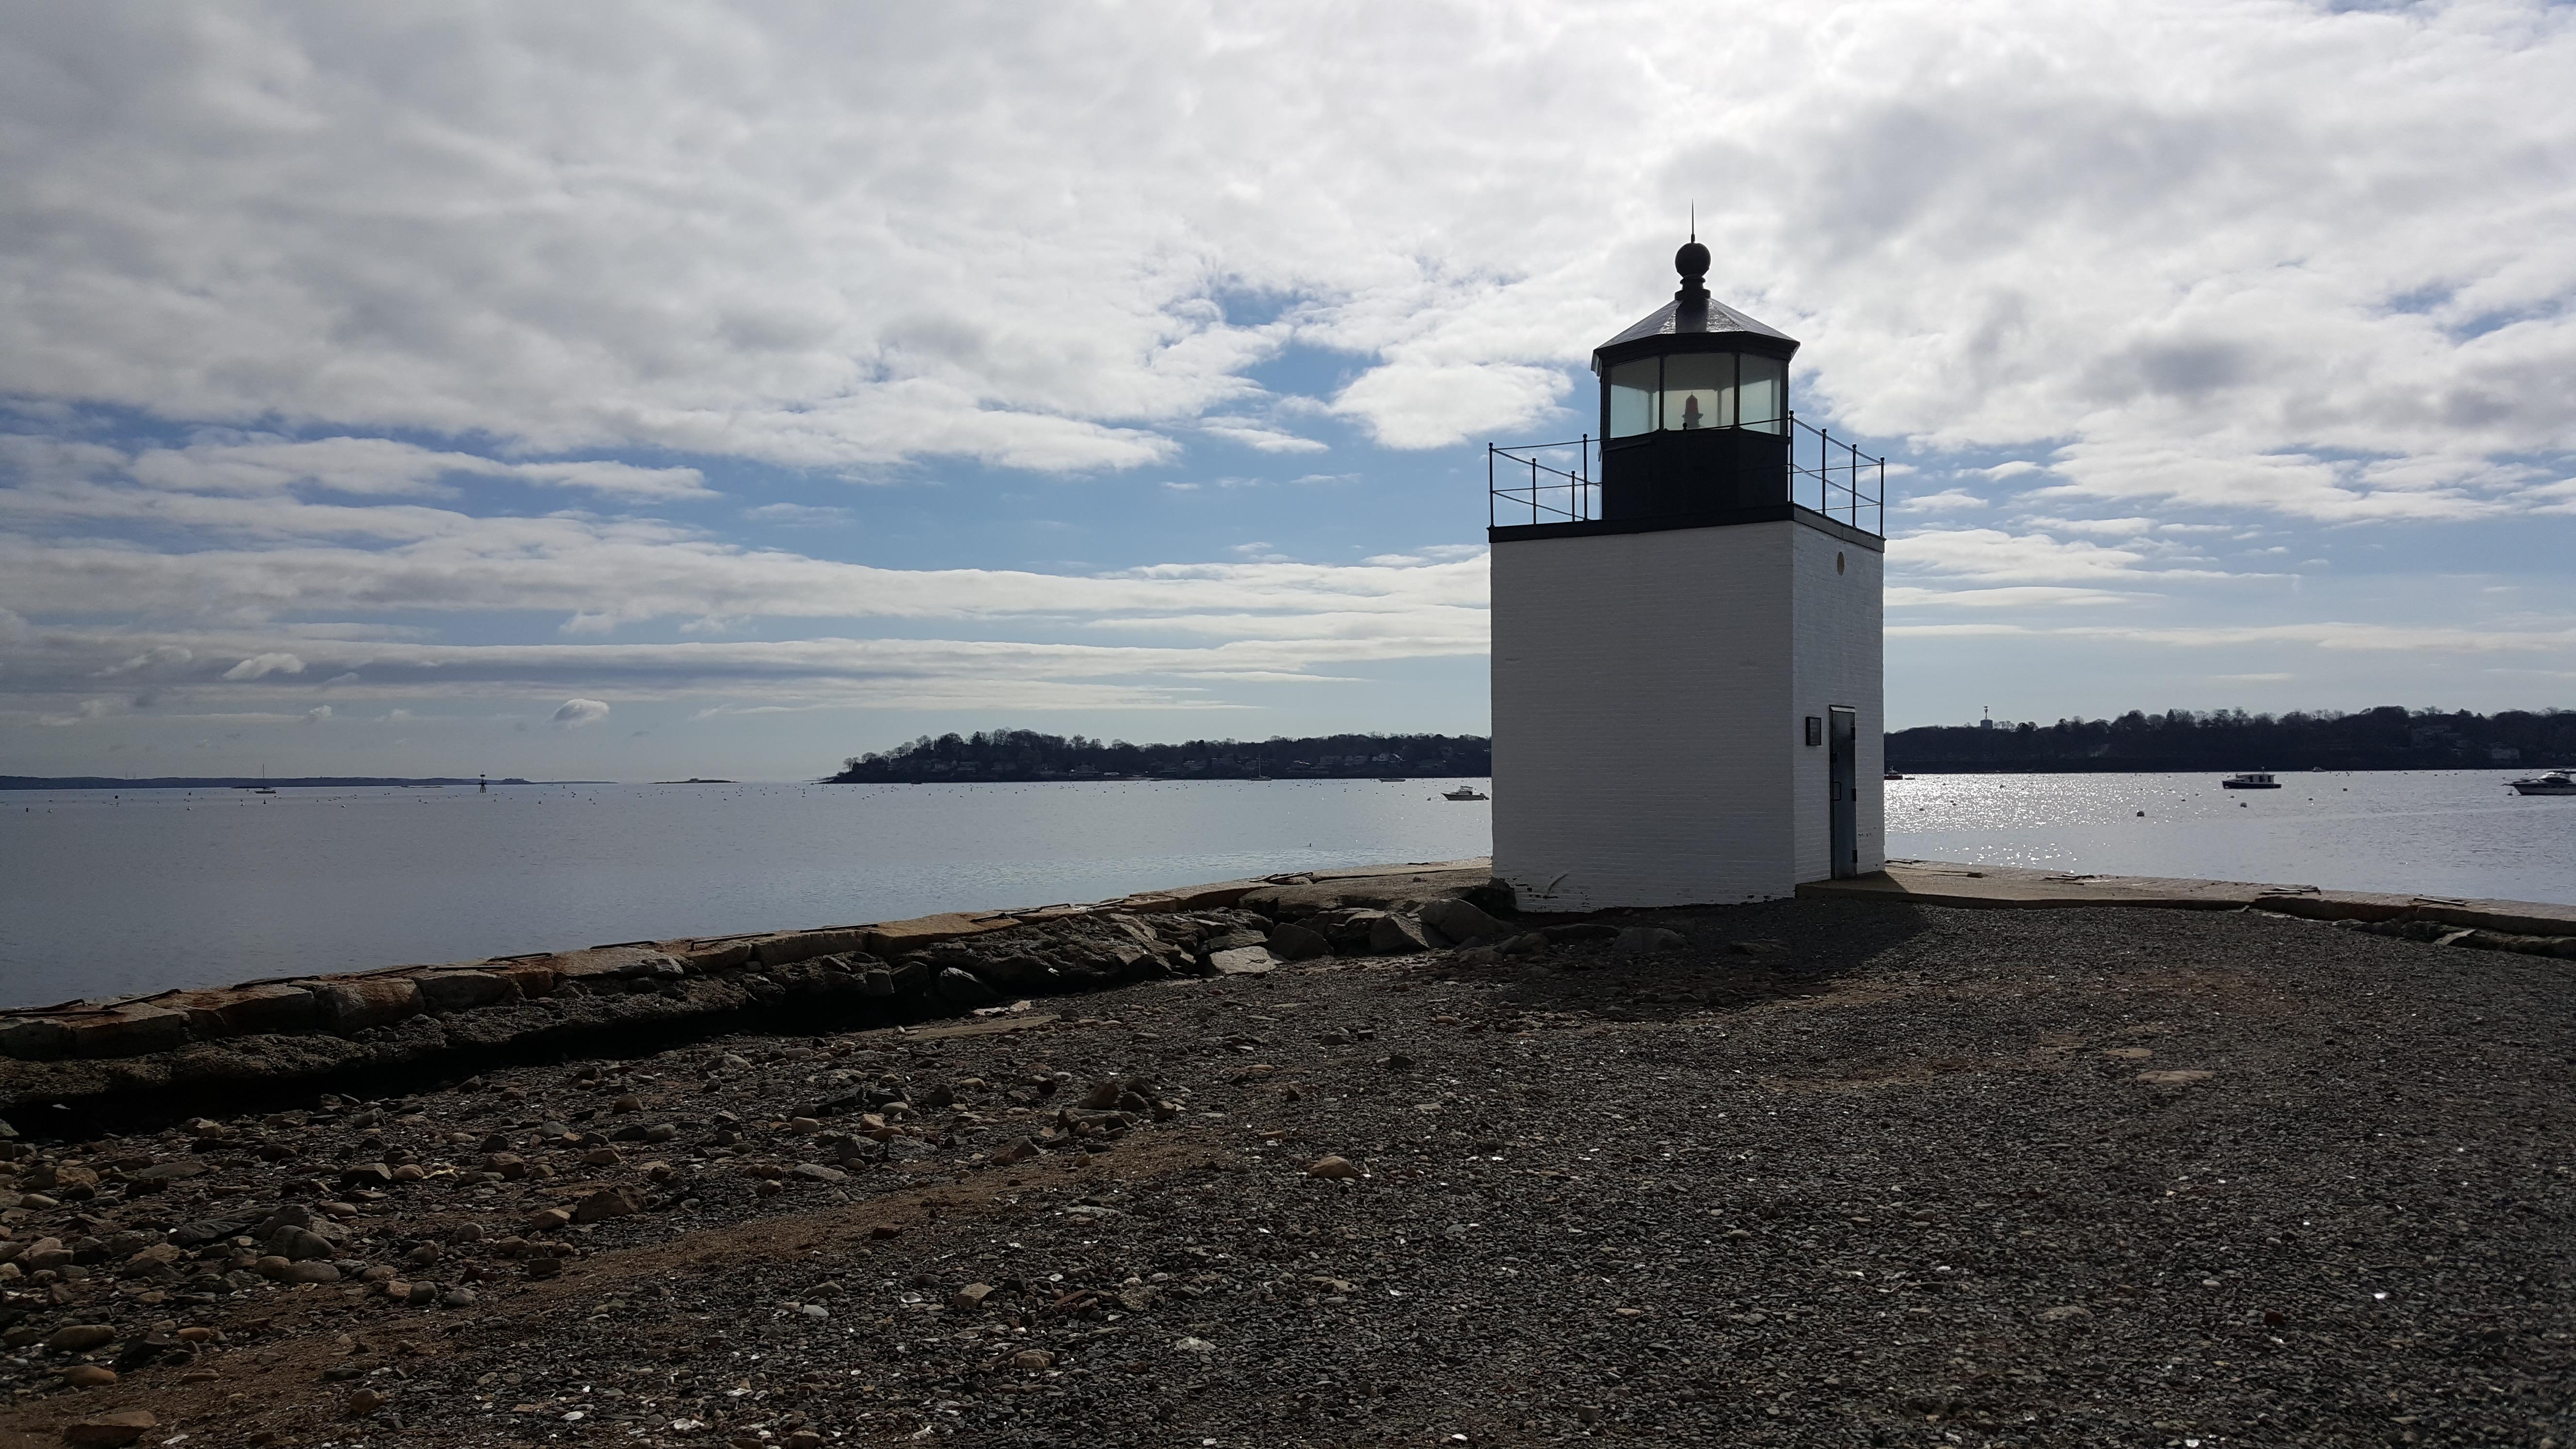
x,y
2423,832
102,893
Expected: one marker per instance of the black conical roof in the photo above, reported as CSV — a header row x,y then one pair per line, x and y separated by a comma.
x,y
1678,315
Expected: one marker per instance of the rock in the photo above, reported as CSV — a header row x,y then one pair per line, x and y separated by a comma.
x,y
34,1038
1758,948
549,1220
608,1202
817,1172
464,990
297,1245
629,1103
1396,936
1461,922
315,1271
363,1402
159,1258
247,1010
2176,1078
456,1298
1527,943
79,1338
1018,1149
88,1376
1242,961
2063,1313
1193,1345
1332,1167
1030,1360
122,1427
970,1297
960,987
1292,942
1646,940
876,981
353,1004
126,1031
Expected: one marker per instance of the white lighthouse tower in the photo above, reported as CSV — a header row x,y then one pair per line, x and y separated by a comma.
x,y
1686,655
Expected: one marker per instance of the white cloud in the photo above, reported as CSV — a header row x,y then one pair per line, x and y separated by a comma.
x,y
574,713
1948,500
828,240
1260,436
260,666
801,515
240,464
317,714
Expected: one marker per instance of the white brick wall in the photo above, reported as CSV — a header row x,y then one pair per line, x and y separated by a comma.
x,y
1650,692
1837,658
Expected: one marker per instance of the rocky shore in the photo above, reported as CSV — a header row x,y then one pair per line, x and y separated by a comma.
x,y
85,1062
1356,1161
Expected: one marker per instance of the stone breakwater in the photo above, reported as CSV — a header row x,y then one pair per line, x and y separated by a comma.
x,y
294,1032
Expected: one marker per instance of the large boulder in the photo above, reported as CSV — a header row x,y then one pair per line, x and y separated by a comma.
x,y
1292,942
35,1038
354,1003
126,1031
464,990
1242,961
1460,922
1395,936
268,1006
962,988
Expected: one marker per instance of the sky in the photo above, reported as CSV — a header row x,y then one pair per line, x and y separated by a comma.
x,y
643,390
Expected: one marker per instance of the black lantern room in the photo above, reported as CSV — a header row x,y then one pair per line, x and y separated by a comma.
x,y
1694,407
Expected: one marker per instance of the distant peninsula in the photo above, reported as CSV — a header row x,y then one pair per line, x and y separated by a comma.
x,y
2387,738
1028,755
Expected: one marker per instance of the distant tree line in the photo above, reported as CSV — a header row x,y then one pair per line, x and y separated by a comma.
x,y
1028,755
2386,738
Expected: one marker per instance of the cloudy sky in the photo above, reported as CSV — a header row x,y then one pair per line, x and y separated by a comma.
x,y
630,390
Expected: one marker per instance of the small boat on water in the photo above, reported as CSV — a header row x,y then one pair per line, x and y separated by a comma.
x,y
2549,782
1893,775
2255,780
1464,792
1390,779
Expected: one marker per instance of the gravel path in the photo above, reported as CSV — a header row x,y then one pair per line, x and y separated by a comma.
x,y
1831,1173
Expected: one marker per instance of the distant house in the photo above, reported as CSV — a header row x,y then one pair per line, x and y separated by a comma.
x,y
2503,755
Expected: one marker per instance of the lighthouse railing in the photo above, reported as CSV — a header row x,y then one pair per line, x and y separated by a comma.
x,y
1552,482
1561,482
1835,478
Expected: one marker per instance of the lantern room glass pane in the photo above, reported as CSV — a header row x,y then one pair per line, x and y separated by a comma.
x,y
1699,391
1632,398
1763,391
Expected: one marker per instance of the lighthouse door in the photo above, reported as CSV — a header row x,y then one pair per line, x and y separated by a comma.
x,y
1842,766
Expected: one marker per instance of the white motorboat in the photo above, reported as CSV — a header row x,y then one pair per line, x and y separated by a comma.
x,y
2252,780
2548,782
1464,792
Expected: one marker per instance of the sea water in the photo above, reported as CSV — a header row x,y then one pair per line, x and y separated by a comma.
x,y
105,892
108,892
2461,833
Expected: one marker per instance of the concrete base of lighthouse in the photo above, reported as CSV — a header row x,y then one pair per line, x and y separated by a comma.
x,y
1652,692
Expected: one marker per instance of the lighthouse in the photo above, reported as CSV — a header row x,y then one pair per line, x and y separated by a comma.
x,y
1686,621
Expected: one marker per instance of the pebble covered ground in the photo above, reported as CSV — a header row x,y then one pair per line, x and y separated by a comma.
x,y
1826,1172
